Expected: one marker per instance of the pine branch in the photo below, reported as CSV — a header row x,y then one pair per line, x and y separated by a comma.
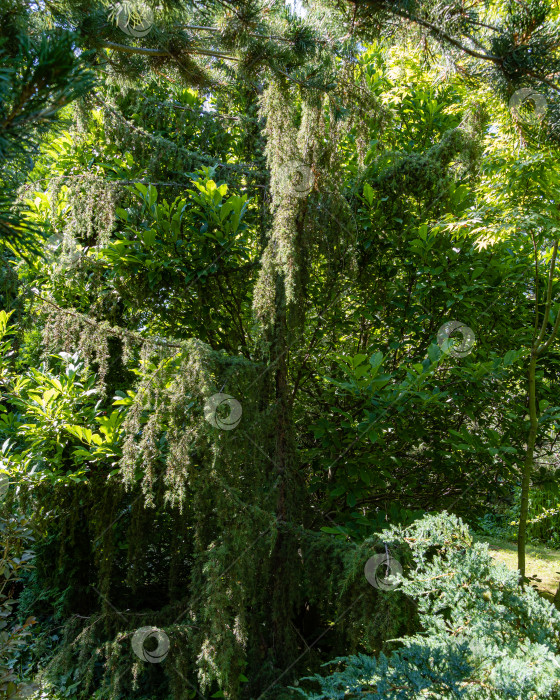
x,y
160,53
217,30
445,36
546,81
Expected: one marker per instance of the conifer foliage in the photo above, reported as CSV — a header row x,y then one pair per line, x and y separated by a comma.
x,y
481,636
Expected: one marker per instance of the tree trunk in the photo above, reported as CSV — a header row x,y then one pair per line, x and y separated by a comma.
x,y
528,464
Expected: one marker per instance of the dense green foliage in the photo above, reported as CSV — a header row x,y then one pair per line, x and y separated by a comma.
x,y
15,559
40,74
481,636
274,281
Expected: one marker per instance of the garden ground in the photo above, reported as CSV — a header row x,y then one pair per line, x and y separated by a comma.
x,y
542,563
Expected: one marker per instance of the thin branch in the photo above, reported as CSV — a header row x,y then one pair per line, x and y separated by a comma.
x,y
443,35
552,335
536,254
215,54
546,81
486,26
158,52
243,167
217,30
198,112
465,49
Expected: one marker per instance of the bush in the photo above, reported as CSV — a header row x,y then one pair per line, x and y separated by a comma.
x,y
483,637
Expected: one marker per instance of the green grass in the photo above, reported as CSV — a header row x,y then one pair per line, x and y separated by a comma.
x,y
541,562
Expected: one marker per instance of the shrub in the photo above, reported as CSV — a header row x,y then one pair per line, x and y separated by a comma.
x,y
483,637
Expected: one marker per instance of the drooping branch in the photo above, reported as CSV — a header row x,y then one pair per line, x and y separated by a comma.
x,y
115,332
548,298
245,167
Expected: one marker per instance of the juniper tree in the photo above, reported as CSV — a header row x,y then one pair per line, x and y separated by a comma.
x,y
512,45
